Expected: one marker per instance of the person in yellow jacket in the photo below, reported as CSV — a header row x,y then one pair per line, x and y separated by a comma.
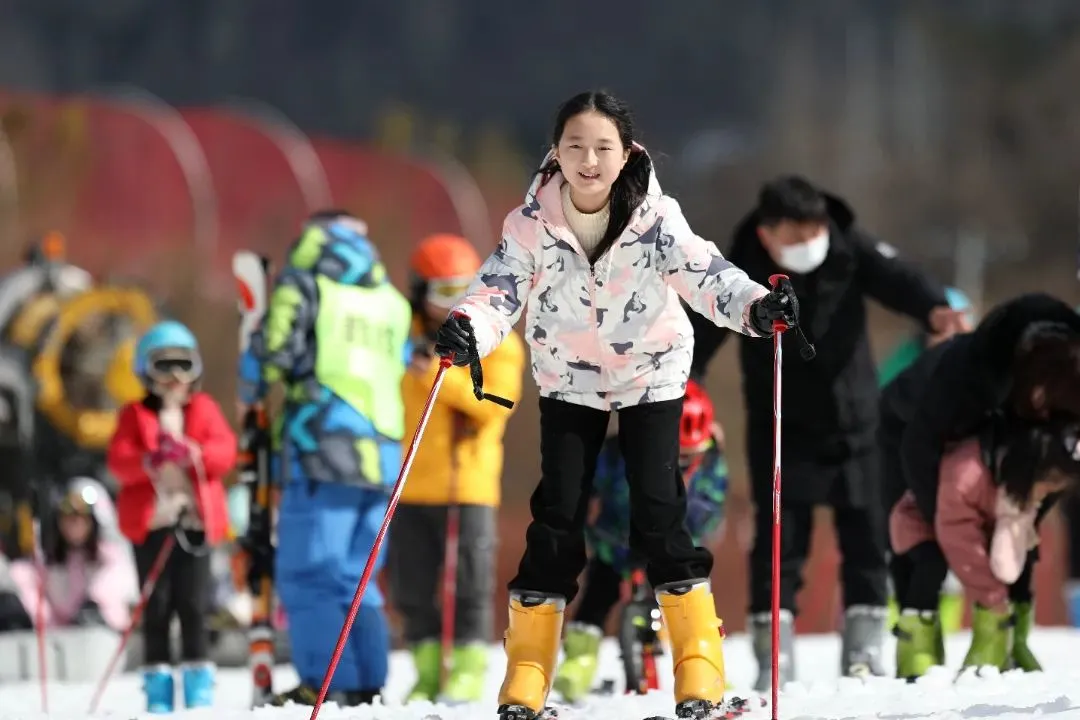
x,y
448,509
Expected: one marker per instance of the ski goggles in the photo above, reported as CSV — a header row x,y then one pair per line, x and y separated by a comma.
x,y
445,292
79,502
175,365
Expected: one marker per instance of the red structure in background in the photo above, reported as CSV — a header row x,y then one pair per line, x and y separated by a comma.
x,y
128,180
133,183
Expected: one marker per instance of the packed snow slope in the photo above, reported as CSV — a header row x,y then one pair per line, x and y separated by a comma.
x,y
820,693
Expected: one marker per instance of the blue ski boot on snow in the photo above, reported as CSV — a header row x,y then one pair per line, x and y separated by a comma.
x,y
159,688
198,681
1072,602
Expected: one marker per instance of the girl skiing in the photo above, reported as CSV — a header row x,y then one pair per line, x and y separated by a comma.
x,y
704,468
169,455
602,256
89,573
992,492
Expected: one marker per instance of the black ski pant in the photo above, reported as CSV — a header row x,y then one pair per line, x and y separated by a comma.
x,y
415,557
603,588
570,440
860,527
919,573
182,591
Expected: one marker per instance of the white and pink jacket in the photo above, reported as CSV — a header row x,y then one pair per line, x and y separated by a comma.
x,y
111,582
614,334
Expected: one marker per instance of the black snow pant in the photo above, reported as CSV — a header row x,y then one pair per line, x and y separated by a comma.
x,y
415,556
919,574
603,587
570,440
182,590
860,531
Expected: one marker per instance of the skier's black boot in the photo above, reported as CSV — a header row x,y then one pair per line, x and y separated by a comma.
x,y
638,642
705,710
520,712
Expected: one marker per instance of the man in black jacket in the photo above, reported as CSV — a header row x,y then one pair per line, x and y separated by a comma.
x,y
829,406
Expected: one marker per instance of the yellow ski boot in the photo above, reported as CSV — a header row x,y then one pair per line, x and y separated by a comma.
x,y
532,653
697,651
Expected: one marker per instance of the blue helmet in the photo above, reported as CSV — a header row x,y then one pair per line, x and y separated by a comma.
x,y
167,335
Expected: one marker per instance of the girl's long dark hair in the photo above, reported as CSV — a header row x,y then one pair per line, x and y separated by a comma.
x,y
1032,452
60,547
630,187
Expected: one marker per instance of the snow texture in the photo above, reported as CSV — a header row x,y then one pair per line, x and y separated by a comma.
x,y
819,694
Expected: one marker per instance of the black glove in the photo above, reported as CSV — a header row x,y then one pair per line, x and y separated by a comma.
x,y
455,340
780,304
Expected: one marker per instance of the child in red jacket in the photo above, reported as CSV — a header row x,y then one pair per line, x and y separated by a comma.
x,y
169,455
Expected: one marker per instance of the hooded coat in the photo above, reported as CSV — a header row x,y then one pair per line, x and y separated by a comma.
x,y
612,333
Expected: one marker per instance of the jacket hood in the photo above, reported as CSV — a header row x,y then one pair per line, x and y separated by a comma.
x,y
94,494
538,184
840,214
340,250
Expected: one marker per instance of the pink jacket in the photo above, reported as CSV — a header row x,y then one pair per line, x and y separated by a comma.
x,y
615,334
111,584
984,535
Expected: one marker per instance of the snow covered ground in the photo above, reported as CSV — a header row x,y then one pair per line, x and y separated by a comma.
x,y
818,694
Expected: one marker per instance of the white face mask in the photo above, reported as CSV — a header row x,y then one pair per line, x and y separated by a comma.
x,y
805,257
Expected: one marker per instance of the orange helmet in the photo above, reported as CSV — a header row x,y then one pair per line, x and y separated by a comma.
x,y
440,257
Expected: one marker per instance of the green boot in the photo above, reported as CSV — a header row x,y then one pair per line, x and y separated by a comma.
x,y
582,649
917,644
893,615
467,670
951,612
427,656
939,642
1022,657
991,638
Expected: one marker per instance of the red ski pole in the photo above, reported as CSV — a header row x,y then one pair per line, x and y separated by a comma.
x,y
778,354
39,627
399,487
144,596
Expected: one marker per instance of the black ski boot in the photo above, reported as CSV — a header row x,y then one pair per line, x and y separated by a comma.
x,y
520,712
639,643
705,710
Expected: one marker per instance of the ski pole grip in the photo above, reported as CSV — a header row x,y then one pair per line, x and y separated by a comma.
x,y
476,371
807,352
774,282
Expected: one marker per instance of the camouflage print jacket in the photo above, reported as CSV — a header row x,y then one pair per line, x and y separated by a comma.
x,y
612,334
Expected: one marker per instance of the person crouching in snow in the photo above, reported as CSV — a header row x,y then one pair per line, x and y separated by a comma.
x,y
704,470
896,362
169,455
602,256
89,571
457,469
992,493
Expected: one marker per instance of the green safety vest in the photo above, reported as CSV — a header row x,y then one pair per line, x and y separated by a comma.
x,y
360,336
